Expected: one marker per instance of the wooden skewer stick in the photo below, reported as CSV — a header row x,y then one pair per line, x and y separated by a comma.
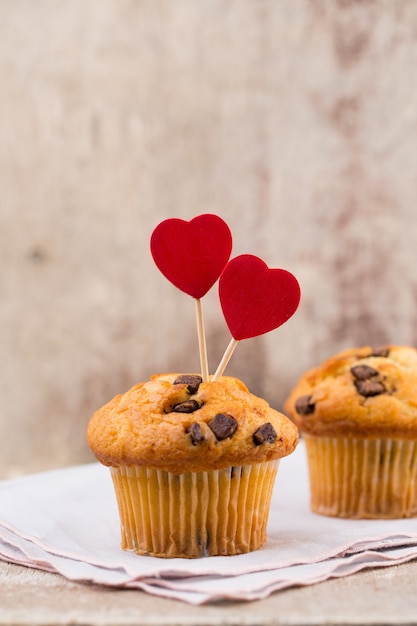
x,y
201,340
225,358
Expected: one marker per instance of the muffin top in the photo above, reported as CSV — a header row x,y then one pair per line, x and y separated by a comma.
x,y
176,423
364,392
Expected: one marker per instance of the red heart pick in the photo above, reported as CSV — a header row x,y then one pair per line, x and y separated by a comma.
x,y
254,298
193,254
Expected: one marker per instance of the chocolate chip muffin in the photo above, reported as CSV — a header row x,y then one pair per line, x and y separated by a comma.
x,y
193,464
357,413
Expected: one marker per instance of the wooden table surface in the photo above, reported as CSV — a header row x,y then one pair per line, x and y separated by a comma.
x,y
374,597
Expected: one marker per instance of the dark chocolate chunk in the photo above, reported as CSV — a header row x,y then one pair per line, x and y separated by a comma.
x,y
264,434
188,406
304,405
191,380
196,434
369,387
223,426
380,351
363,372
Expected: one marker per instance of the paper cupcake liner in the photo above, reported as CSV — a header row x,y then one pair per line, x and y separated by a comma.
x,y
221,512
362,478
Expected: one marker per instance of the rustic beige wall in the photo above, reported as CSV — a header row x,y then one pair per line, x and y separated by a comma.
x,y
296,121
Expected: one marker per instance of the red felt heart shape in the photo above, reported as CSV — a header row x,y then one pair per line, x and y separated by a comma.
x,y
254,298
193,254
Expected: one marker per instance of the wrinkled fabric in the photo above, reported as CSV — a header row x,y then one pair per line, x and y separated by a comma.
x,y
66,521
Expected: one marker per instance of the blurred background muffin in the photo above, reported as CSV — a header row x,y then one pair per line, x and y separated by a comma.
x,y
357,413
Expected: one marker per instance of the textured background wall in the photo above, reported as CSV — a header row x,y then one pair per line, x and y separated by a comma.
x,y
296,121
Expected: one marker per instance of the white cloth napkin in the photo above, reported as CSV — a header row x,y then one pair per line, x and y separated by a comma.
x,y
66,521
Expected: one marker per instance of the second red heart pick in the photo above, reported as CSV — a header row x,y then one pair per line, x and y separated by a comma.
x,y
254,298
192,255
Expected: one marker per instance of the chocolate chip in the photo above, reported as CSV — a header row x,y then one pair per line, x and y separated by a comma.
x,y
196,434
304,405
191,380
363,372
264,434
380,351
369,387
188,406
223,426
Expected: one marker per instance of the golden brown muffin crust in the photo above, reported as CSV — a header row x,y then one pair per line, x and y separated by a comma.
x,y
227,425
363,392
